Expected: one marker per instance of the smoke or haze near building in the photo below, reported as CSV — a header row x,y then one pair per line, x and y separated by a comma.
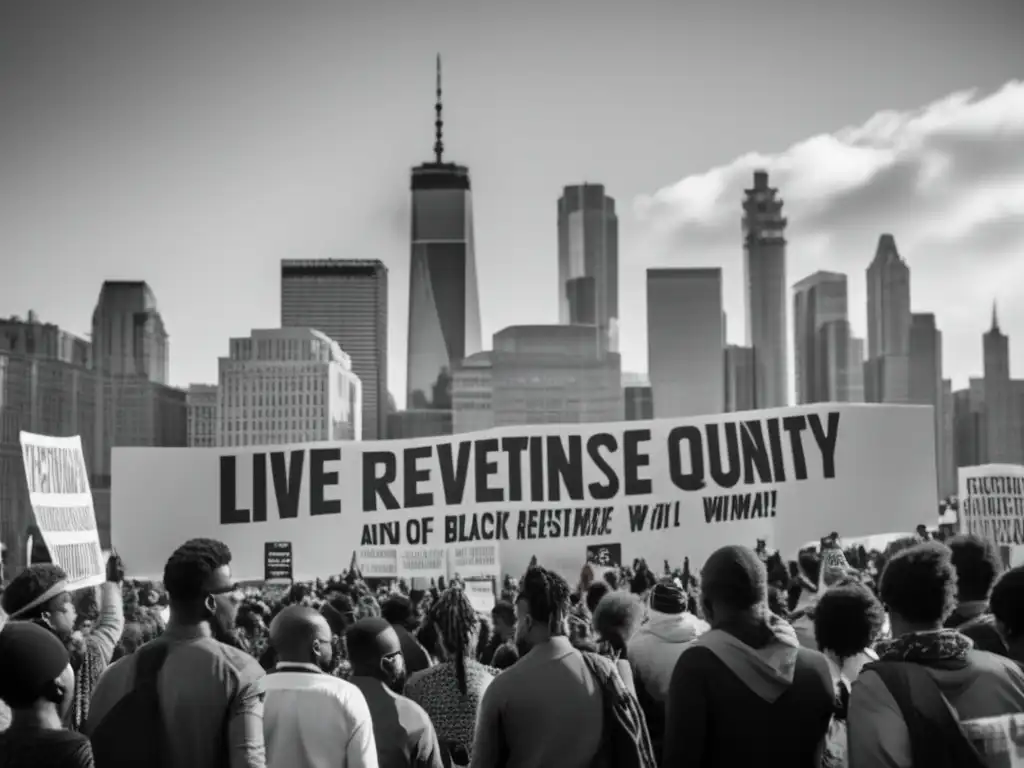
x,y
685,341
740,392
347,299
764,266
201,400
926,386
539,374
887,370
287,385
1003,439
128,334
444,305
588,261
818,299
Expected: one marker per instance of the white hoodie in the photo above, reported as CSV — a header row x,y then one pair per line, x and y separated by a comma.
x,y
655,648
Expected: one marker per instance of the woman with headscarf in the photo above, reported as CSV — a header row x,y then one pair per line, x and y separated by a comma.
x,y
451,691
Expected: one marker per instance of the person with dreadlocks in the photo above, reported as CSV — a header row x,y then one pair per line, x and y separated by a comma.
x,y
450,692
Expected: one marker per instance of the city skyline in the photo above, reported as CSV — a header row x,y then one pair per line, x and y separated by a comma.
x,y
215,245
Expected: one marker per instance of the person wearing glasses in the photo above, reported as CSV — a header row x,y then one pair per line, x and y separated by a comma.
x,y
210,691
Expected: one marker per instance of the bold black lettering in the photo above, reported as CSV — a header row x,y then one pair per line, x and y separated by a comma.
x,y
694,479
739,508
533,522
319,480
229,512
288,482
775,444
412,476
514,447
536,469
724,478
637,516
453,478
605,528
794,425
485,468
259,488
610,488
827,439
713,508
379,486
581,522
565,467
755,455
633,459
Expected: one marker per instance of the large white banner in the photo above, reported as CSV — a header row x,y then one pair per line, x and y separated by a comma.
x,y
661,489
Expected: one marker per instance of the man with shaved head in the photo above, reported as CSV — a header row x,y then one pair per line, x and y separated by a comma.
x,y
311,718
403,732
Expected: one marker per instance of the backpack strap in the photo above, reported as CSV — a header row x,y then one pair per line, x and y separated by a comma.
x,y
936,738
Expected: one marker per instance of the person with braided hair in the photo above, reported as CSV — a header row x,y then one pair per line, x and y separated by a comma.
x,y
450,692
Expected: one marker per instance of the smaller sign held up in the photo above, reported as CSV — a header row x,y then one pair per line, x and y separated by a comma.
x,y
278,564
422,562
377,562
481,594
606,555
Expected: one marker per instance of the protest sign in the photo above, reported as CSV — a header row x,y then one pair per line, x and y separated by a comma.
x,y
607,555
277,561
992,502
473,561
422,562
661,489
378,562
58,489
997,739
481,594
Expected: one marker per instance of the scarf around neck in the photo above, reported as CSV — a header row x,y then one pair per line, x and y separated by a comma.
x,y
943,647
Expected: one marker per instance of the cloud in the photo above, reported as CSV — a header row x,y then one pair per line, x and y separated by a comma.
x,y
947,180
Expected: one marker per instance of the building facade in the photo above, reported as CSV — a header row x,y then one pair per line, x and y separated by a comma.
x,y
685,341
820,350
887,370
740,392
639,402
128,334
1004,444
588,261
347,299
444,304
473,393
201,402
926,385
288,385
969,424
764,268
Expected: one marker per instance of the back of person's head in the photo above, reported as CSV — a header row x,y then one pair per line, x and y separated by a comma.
x,y
505,613
397,609
977,564
457,626
617,617
668,597
809,565
1007,604
733,579
34,667
39,589
847,619
374,650
919,585
545,596
190,568
595,592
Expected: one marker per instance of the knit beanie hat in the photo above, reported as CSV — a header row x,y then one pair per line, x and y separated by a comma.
x,y
667,597
30,658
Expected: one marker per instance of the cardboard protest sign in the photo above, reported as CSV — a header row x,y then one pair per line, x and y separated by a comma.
x,y
474,561
422,562
992,502
660,489
605,555
481,594
378,562
58,488
277,561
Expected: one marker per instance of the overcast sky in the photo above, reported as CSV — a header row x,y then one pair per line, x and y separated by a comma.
x,y
195,144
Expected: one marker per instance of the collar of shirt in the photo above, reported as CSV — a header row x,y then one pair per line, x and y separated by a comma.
x,y
297,666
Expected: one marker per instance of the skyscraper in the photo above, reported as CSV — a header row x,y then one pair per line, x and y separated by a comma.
x,y
739,379
444,306
1002,430
926,387
588,261
686,341
128,334
764,267
346,299
818,299
887,370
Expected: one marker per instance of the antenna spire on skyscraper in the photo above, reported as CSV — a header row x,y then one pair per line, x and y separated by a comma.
x,y
438,120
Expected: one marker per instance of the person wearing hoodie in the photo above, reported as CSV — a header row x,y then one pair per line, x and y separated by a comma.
x,y
1007,606
745,692
655,648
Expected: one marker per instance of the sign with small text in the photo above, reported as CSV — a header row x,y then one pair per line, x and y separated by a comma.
x,y
277,561
606,555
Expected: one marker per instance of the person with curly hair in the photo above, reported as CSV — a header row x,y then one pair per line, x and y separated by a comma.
x,y
210,692
1007,605
848,619
40,594
545,709
450,692
978,565
897,716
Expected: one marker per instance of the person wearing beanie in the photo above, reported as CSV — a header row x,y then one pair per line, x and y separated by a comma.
x,y
40,594
37,682
655,648
745,692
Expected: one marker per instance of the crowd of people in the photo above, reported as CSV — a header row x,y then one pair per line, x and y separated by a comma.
x,y
908,657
